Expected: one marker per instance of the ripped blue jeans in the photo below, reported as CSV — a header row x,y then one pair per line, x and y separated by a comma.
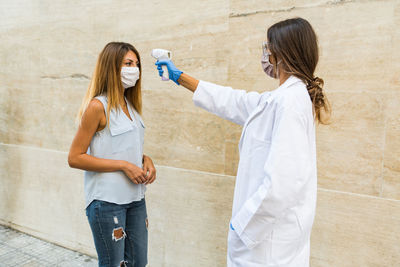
x,y
119,232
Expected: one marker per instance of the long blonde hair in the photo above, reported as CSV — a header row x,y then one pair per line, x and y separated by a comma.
x,y
106,80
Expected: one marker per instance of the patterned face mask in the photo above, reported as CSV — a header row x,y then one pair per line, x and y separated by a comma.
x,y
267,66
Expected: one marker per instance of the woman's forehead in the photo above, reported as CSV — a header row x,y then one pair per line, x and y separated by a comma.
x,y
131,55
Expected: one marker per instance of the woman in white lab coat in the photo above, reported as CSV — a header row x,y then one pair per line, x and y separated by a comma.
x,y
276,184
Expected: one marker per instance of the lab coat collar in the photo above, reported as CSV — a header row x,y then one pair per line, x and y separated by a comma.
x,y
290,81
267,98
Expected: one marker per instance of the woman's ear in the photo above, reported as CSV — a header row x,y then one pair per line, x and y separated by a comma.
x,y
272,59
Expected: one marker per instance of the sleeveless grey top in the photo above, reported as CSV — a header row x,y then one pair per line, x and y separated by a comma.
x,y
121,140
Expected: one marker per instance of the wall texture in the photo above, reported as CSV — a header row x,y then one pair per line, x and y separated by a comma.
x,y
48,52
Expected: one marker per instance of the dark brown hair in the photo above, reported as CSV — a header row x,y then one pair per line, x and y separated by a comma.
x,y
294,42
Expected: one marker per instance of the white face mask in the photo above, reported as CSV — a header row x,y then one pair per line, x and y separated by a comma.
x,y
129,76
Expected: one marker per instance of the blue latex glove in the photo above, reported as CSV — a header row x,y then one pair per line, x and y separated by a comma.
x,y
173,72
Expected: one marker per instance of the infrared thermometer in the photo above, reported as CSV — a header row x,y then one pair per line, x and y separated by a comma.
x,y
162,54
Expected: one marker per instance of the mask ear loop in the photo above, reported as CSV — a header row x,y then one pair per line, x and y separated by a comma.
x,y
268,54
276,69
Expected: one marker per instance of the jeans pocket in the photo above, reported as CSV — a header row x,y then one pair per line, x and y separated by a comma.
x,y
107,209
91,212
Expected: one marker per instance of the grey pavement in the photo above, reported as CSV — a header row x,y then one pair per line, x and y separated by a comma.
x,y
19,249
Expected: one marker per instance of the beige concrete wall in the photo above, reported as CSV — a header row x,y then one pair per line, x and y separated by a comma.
x,y
48,51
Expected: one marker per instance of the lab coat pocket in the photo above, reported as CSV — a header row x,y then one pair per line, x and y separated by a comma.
x,y
288,227
286,240
121,137
282,253
259,150
236,248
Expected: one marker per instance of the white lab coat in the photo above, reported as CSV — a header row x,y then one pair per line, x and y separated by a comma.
x,y
276,184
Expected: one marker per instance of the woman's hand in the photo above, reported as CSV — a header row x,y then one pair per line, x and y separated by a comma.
x,y
176,75
173,71
149,169
136,174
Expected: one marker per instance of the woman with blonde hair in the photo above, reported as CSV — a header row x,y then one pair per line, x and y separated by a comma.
x,y
109,147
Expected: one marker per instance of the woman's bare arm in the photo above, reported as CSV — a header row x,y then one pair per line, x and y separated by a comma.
x,y
78,158
188,81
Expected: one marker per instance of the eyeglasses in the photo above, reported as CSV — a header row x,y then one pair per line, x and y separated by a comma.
x,y
265,49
